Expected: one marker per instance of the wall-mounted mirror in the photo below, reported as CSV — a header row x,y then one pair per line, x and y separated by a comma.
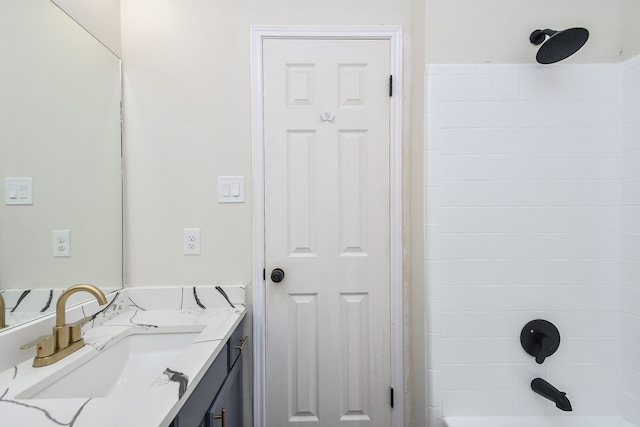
x,y
60,128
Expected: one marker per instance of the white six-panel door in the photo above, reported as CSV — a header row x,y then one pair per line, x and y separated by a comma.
x,y
326,151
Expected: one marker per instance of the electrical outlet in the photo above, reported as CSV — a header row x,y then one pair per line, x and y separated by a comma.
x,y
61,240
191,241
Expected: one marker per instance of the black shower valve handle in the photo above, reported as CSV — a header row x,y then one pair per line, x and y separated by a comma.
x,y
540,339
542,348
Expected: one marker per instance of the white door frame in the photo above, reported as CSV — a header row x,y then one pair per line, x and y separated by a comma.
x,y
394,35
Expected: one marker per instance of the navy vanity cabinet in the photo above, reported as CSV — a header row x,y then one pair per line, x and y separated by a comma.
x,y
220,385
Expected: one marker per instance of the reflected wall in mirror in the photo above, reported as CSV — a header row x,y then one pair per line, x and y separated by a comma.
x,y
60,125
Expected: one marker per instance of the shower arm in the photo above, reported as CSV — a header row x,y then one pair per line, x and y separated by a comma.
x,y
538,36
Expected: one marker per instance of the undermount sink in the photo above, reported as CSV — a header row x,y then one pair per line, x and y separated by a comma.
x,y
123,369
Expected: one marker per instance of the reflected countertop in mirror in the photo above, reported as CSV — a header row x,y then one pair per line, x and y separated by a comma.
x,y
60,127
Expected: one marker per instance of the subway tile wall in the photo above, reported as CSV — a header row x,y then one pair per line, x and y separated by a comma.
x,y
524,216
630,242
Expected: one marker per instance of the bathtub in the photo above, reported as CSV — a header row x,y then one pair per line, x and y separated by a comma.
x,y
551,421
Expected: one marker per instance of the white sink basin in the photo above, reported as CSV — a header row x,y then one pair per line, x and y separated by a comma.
x,y
125,368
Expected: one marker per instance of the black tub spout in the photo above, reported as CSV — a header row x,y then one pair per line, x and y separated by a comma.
x,y
548,391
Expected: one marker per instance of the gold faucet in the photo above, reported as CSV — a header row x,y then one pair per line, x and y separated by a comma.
x,y
3,323
65,338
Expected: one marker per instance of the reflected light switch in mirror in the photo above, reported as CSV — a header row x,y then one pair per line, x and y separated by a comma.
x,y
235,189
231,189
18,191
226,189
12,191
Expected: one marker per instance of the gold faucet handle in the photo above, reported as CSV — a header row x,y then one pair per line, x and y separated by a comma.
x,y
46,345
76,328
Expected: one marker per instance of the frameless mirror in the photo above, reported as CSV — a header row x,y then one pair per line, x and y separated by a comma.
x,y
60,159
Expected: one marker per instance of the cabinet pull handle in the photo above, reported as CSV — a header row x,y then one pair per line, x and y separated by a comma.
x,y
222,416
241,346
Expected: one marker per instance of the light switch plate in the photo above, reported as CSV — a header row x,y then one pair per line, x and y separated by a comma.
x,y
18,191
231,189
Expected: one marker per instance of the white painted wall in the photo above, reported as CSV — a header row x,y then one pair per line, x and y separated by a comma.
x,y
187,104
100,17
630,239
459,31
497,31
630,28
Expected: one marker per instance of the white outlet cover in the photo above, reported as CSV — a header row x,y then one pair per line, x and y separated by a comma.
x,y
191,241
61,243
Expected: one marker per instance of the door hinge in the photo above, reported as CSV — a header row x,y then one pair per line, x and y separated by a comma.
x,y
391,396
264,274
391,85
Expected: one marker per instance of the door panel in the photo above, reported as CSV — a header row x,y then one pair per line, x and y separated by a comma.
x,y
326,118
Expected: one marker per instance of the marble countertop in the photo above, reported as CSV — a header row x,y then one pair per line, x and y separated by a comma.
x,y
157,405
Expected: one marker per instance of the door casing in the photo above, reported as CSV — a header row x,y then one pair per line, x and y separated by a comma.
x,y
398,351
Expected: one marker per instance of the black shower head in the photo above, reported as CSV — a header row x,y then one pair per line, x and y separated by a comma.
x,y
561,44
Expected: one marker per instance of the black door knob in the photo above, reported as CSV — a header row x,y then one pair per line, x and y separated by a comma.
x,y
277,275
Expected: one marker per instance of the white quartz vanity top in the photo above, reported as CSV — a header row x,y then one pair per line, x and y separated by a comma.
x,y
156,406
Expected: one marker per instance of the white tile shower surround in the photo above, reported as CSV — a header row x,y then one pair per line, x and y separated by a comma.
x,y
532,205
630,243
